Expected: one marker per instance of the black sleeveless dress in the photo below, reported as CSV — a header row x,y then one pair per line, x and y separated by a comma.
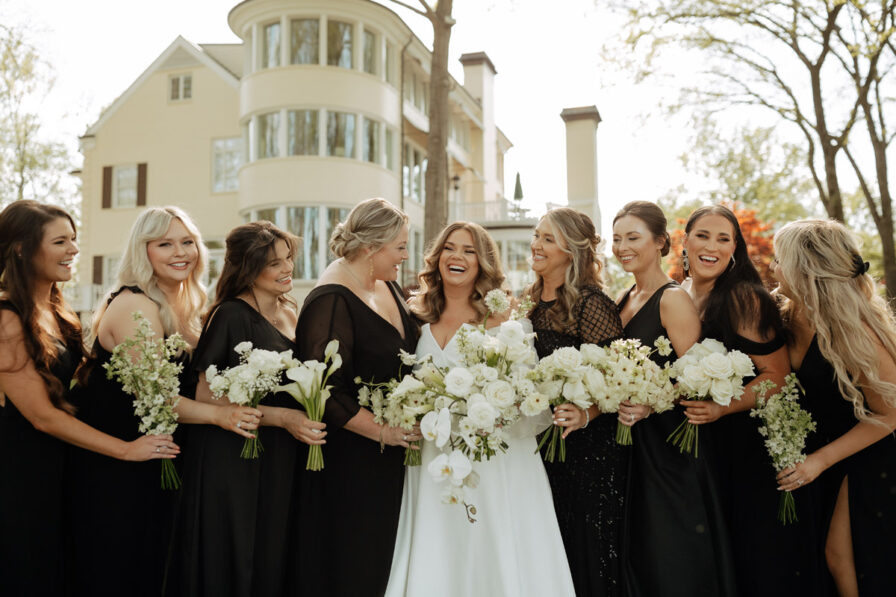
x,y
31,496
350,509
588,488
232,530
871,477
676,541
770,558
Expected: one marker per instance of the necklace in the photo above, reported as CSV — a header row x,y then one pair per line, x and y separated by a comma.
x,y
275,321
357,279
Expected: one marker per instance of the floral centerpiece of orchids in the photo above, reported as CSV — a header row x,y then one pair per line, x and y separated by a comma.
x,y
143,365
257,375
708,371
309,388
785,426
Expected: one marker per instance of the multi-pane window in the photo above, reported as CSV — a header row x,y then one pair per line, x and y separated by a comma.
x,y
124,186
268,126
370,140
414,173
389,63
304,41
303,132
370,47
270,46
180,87
110,269
303,222
227,157
341,134
339,44
269,214
390,152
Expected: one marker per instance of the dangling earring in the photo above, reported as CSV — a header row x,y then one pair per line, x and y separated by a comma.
x,y
685,262
370,261
731,263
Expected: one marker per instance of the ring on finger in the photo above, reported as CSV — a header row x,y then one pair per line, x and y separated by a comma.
x,y
158,449
239,425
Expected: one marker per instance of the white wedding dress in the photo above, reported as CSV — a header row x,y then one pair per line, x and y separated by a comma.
x,y
514,548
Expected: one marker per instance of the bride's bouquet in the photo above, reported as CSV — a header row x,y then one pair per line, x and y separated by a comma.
x,y
309,388
143,365
708,371
257,375
785,427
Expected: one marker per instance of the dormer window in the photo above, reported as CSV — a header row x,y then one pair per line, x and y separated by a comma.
x,y
180,87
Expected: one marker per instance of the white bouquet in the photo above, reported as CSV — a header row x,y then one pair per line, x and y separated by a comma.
x,y
309,388
400,403
708,371
785,427
257,375
144,368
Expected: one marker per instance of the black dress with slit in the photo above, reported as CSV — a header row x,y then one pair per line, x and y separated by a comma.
x,y
871,475
351,507
232,531
589,488
118,516
31,493
675,539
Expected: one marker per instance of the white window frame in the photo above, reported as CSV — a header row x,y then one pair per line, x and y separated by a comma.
x,y
184,92
117,172
220,147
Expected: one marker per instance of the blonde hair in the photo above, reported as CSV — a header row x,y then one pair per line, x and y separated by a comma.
x,y
136,270
372,223
821,264
582,243
429,301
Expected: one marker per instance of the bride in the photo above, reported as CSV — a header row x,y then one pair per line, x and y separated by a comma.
x,y
514,548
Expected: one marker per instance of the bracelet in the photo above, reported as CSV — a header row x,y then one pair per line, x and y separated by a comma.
x,y
587,418
382,442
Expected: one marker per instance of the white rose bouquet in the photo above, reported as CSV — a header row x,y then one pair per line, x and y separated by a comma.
x,y
401,403
257,375
708,371
785,427
143,366
309,388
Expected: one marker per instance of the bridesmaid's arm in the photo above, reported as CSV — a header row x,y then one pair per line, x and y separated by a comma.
x,y
862,435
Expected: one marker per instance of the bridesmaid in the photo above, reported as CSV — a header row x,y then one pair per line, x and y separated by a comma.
x,y
352,507
844,352
233,534
120,518
675,536
40,347
571,309
735,308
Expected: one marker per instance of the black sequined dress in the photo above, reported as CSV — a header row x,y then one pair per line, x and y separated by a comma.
x,y
589,487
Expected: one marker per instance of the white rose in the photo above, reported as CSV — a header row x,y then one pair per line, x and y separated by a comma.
x,y
511,333
595,383
695,380
592,353
717,366
714,346
567,358
482,415
459,381
575,392
499,393
742,364
722,391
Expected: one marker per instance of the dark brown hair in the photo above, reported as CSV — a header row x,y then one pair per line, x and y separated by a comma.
x,y
652,216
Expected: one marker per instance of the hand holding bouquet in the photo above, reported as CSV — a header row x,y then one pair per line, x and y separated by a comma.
x,y
143,366
257,375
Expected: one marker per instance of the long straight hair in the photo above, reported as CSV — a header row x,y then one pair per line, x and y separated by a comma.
x,y
22,226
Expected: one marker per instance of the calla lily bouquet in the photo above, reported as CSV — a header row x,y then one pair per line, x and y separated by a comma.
x,y
708,371
143,365
257,375
309,387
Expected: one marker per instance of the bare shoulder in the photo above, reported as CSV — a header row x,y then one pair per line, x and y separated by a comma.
x,y
676,298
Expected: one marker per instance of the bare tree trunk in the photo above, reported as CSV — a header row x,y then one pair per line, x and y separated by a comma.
x,y
436,211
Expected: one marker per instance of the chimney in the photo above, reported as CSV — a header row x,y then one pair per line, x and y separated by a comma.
x,y
581,160
479,80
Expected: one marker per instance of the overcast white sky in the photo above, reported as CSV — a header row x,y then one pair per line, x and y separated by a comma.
x,y
547,60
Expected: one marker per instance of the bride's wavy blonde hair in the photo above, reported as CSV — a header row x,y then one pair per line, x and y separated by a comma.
x,y
822,267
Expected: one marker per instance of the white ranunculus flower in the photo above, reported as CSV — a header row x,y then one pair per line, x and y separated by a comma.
x,y
482,415
742,364
499,393
458,381
567,358
453,467
722,391
717,366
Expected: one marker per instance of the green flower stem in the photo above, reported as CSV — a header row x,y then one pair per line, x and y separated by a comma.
x,y
685,437
170,478
315,459
787,509
413,457
252,447
623,434
555,436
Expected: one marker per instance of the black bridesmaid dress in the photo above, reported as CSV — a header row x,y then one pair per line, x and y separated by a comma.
x,y
769,557
589,488
350,509
871,477
675,538
119,517
232,530
31,496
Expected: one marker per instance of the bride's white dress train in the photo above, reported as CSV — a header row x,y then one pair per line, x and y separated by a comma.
x,y
514,548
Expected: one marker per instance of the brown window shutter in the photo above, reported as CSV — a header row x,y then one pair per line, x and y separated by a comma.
x,y
107,187
98,270
141,185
